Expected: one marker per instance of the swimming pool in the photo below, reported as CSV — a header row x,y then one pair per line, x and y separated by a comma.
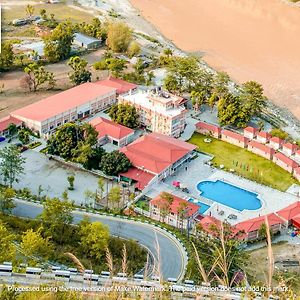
x,y
203,207
228,194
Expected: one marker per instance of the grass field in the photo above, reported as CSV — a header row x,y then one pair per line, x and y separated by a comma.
x,y
244,163
61,12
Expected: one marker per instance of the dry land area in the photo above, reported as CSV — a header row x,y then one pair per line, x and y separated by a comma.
x,y
251,40
258,262
244,163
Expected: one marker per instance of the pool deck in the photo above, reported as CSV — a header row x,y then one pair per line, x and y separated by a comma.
x,y
197,170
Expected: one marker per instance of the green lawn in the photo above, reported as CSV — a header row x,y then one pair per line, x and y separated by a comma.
x,y
143,204
244,163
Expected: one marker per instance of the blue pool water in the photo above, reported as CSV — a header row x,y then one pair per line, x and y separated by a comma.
x,y
230,195
203,207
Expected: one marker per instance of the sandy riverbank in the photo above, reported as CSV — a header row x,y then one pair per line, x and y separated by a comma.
x,y
250,39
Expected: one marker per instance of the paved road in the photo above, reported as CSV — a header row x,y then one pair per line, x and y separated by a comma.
x,y
172,256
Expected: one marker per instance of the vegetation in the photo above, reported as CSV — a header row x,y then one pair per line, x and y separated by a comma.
x,y
94,29
279,133
58,43
36,76
119,37
124,114
133,49
114,163
6,199
245,163
186,75
80,74
11,164
114,65
23,136
6,57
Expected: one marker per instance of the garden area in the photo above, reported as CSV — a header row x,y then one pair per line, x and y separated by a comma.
x,y
143,203
244,163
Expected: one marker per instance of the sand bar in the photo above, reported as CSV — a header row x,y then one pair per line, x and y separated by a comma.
x,y
250,39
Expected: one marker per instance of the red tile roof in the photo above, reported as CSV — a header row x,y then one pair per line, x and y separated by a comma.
x,y
122,86
6,121
235,136
105,127
207,126
276,140
298,152
155,152
261,147
254,224
264,134
290,146
290,211
251,129
286,160
142,178
63,101
191,208
297,170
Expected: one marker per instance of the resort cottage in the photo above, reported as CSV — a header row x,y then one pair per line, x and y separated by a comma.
x,y
206,128
291,214
297,154
122,87
250,132
261,149
250,228
5,122
289,149
154,157
263,137
297,173
179,213
285,162
276,142
234,138
111,132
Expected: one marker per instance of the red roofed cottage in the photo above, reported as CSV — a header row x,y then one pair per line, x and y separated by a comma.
x,y
5,122
263,137
261,149
289,148
250,132
109,131
158,154
234,138
285,162
76,103
176,212
206,128
289,212
251,227
276,142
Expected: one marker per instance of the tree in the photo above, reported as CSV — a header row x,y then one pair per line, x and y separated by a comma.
x,y
23,136
232,112
58,43
124,114
11,164
94,238
71,180
56,217
119,36
90,198
164,204
101,186
34,246
114,65
69,138
262,232
29,10
114,163
252,95
37,76
220,84
43,14
6,200
198,99
133,49
6,56
12,129
7,247
182,212
114,196
279,133
80,73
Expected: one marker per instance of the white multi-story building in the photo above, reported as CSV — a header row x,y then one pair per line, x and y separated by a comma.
x,y
159,111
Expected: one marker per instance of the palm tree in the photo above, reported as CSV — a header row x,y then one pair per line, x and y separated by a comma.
x,y
182,213
101,187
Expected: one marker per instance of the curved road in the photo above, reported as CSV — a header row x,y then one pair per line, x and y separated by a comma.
x,y
172,255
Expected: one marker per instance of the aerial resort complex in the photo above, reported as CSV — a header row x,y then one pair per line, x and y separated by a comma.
x,y
139,164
